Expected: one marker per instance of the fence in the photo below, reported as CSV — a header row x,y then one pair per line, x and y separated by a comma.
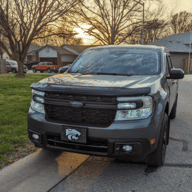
x,y
3,68
185,64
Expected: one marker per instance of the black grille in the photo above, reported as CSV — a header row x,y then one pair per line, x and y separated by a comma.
x,y
81,116
71,97
93,145
100,117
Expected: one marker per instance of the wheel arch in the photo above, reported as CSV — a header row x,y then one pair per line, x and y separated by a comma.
x,y
167,112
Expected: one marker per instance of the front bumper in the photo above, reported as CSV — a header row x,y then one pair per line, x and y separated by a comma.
x,y
100,141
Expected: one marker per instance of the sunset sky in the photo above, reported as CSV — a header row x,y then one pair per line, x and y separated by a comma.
x,y
179,5
176,5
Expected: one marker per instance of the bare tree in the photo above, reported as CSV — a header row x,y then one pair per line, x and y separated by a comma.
x,y
64,33
181,22
110,21
22,21
155,26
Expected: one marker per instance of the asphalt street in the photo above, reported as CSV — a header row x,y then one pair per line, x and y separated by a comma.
x,y
60,171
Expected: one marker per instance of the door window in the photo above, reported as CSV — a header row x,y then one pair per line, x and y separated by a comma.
x,y
168,68
170,62
41,63
7,63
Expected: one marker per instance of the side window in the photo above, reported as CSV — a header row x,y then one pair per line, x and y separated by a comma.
x,y
7,63
167,66
170,62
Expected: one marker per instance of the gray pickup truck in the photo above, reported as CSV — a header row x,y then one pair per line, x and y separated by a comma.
x,y
114,101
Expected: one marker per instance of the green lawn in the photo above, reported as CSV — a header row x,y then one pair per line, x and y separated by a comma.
x,y
15,96
186,72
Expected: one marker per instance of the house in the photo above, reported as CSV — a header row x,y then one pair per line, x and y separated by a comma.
x,y
30,54
178,45
62,55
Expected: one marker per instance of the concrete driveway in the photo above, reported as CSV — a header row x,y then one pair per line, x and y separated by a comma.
x,y
60,171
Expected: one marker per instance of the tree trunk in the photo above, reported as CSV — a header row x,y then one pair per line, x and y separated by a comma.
x,y
20,72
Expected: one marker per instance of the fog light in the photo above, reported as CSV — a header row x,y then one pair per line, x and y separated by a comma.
x,y
35,136
123,148
127,148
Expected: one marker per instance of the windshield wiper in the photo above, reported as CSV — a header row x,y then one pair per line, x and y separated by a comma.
x,y
106,74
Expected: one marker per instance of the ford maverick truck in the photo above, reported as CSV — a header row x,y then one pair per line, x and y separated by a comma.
x,y
114,101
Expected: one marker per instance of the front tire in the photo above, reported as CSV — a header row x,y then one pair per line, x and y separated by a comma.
x,y
34,70
157,158
174,109
14,71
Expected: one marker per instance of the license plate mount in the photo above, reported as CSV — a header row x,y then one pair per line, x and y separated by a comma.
x,y
74,134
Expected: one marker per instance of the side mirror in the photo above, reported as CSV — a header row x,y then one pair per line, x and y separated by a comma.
x,y
176,74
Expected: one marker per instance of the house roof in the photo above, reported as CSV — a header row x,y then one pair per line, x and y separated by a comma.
x,y
174,43
33,48
58,49
64,49
61,50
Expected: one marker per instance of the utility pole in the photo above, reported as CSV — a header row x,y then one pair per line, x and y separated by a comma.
x,y
143,4
189,51
143,24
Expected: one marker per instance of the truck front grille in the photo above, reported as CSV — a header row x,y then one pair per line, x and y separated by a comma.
x,y
87,116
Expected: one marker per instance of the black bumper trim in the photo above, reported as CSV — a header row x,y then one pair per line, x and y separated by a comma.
x,y
94,146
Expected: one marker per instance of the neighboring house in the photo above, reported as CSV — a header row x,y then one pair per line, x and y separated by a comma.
x,y
63,55
178,45
6,56
30,54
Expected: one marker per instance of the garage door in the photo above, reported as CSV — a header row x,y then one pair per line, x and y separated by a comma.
x,y
177,61
49,59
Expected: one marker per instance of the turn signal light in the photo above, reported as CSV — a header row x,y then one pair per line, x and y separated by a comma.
x,y
152,141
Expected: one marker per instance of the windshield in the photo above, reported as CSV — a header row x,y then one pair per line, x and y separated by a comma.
x,y
117,60
13,62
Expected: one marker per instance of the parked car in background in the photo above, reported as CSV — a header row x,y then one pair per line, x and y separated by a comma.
x,y
12,66
29,64
64,68
45,66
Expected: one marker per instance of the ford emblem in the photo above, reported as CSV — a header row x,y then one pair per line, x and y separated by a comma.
x,y
76,104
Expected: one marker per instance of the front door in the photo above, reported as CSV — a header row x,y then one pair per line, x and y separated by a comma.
x,y
172,83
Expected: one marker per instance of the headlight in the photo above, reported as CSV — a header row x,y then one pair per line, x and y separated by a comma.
x,y
133,114
38,99
37,106
37,92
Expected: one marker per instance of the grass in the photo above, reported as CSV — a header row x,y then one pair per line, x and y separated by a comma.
x,y
15,96
186,72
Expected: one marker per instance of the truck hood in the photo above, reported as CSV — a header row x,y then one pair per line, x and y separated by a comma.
x,y
135,81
